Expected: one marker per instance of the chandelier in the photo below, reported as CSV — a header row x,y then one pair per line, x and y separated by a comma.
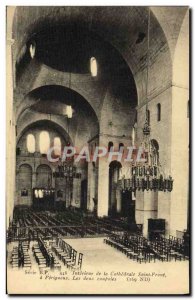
x,y
66,170
146,177
148,174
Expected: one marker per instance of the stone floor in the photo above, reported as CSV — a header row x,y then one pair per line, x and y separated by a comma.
x,y
105,271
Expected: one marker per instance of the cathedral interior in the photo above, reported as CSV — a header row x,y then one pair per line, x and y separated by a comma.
x,y
88,77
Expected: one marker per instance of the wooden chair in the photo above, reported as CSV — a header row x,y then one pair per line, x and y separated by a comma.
x,y
70,262
141,258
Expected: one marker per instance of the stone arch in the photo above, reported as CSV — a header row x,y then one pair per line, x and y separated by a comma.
x,y
93,18
44,176
47,122
181,56
166,17
31,98
84,117
24,184
20,164
25,166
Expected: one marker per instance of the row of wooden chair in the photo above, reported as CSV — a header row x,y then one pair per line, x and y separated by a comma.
x,y
139,248
133,251
30,224
135,247
166,251
20,256
67,254
44,256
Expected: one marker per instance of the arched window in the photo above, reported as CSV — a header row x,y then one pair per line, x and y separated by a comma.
x,y
32,49
133,136
120,145
93,66
30,143
114,170
110,145
148,116
58,146
158,112
154,152
69,111
44,142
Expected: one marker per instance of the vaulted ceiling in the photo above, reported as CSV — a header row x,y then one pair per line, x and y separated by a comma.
x,y
120,26
67,37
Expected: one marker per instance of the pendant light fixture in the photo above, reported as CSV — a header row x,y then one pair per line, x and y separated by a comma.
x,y
66,169
147,175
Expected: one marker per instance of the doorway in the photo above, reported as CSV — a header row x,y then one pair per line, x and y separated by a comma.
x,y
128,206
114,169
84,194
